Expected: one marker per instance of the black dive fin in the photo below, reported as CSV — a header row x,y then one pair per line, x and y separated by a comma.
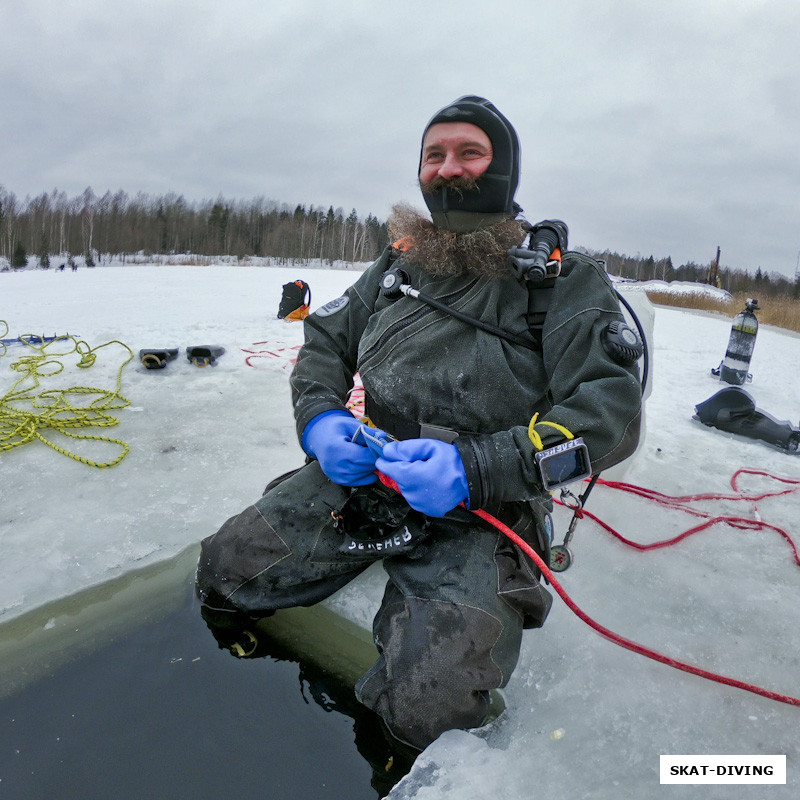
x,y
733,410
157,359
203,355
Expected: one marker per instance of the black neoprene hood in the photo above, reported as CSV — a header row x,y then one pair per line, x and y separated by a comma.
x,y
493,196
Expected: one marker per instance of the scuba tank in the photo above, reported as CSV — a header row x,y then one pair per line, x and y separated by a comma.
x,y
735,365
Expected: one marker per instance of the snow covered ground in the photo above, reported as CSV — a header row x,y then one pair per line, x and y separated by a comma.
x,y
584,718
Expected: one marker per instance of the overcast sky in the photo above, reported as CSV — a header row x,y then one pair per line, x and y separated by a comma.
x,y
663,128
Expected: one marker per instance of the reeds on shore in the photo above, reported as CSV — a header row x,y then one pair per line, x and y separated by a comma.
x,y
782,311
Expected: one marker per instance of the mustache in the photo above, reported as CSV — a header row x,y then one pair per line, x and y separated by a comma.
x,y
458,183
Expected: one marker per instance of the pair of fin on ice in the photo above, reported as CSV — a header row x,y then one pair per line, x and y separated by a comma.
x,y
199,355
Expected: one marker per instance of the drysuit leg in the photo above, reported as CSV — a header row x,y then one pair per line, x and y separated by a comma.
x,y
451,620
281,552
446,633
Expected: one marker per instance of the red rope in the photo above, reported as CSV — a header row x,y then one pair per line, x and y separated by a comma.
x,y
666,499
680,504
628,644
621,640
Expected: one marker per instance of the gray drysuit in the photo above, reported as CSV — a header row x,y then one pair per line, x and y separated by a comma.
x,y
458,593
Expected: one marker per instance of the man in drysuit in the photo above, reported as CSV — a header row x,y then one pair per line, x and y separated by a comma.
x,y
460,400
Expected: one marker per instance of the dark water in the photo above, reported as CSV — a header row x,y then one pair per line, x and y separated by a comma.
x,y
160,711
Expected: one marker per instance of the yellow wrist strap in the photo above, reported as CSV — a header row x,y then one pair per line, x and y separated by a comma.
x,y
534,436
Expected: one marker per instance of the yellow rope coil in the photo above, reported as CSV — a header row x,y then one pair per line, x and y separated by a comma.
x,y
26,413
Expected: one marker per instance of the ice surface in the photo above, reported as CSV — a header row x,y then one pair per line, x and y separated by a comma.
x,y
584,718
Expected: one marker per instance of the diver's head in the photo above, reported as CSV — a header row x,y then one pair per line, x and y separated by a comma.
x,y
469,165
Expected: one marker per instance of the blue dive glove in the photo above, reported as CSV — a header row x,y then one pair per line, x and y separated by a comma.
x,y
429,474
329,439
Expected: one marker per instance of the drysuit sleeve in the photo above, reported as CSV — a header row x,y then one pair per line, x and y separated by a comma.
x,y
591,395
323,374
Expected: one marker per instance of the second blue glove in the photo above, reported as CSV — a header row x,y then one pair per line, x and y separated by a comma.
x,y
429,474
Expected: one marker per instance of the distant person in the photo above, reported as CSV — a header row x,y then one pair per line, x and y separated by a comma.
x,y
461,399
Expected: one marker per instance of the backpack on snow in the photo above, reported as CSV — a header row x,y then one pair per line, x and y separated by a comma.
x,y
294,305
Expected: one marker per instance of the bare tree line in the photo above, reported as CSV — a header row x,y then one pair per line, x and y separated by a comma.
x,y
116,224
647,268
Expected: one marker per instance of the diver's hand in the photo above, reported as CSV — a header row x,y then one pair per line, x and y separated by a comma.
x,y
329,439
428,472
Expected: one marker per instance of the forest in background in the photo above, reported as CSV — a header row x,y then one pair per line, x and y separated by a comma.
x,y
117,224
